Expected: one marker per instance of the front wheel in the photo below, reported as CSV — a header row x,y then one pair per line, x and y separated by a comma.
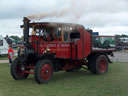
x,y
17,70
43,71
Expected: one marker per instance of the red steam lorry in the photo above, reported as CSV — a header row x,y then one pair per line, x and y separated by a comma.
x,y
51,47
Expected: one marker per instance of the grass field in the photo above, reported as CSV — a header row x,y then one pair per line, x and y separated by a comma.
x,y
81,83
3,57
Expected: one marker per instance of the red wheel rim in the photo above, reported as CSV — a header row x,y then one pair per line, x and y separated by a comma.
x,y
19,70
46,71
102,65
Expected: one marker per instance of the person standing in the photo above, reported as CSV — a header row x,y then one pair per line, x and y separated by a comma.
x,y
10,55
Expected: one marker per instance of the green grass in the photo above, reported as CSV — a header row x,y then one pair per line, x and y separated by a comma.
x,y
81,83
3,57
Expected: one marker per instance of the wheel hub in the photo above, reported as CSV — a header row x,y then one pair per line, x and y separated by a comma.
x,y
102,65
46,72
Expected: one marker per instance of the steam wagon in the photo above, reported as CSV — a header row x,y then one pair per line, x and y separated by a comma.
x,y
52,47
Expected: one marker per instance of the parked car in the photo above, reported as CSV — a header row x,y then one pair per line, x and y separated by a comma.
x,y
3,46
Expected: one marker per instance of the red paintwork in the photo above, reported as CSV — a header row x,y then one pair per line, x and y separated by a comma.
x,y
46,71
21,72
67,50
102,65
62,49
80,45
73,51
87,44
72,65
83,45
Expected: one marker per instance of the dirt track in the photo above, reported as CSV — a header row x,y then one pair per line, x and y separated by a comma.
x,y
4,61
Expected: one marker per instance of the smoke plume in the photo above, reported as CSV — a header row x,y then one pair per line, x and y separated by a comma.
x,y
75,10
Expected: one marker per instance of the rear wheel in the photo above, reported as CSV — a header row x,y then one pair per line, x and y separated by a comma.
x,y
43,71
17,70
99,64
102,64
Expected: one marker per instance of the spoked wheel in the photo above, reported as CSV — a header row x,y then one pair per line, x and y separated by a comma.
x,y
43,71
99,64
17,70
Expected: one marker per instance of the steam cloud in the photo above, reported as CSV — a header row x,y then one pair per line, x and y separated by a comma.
x,y
76,10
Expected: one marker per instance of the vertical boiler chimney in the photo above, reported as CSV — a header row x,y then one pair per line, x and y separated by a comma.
x,y
26,30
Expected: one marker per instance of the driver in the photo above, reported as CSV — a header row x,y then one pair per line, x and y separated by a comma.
x,y
52,35
33,32
49,35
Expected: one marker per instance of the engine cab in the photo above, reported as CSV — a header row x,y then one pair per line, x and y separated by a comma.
x,y
64,40
54,39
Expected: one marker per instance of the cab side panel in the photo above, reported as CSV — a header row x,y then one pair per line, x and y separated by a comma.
x,y
80,51
87,43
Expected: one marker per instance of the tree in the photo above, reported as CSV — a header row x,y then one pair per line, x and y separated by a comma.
x,y
15,38
123,35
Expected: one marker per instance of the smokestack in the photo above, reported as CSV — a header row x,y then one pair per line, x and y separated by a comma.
x,y
26,30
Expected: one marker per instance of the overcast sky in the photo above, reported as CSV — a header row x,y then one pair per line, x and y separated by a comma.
x,y
109,17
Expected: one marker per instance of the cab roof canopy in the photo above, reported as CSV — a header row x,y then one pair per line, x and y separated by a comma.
x,y
53,24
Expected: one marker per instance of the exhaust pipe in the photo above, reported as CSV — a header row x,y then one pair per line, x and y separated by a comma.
x,y
26,30
28,53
